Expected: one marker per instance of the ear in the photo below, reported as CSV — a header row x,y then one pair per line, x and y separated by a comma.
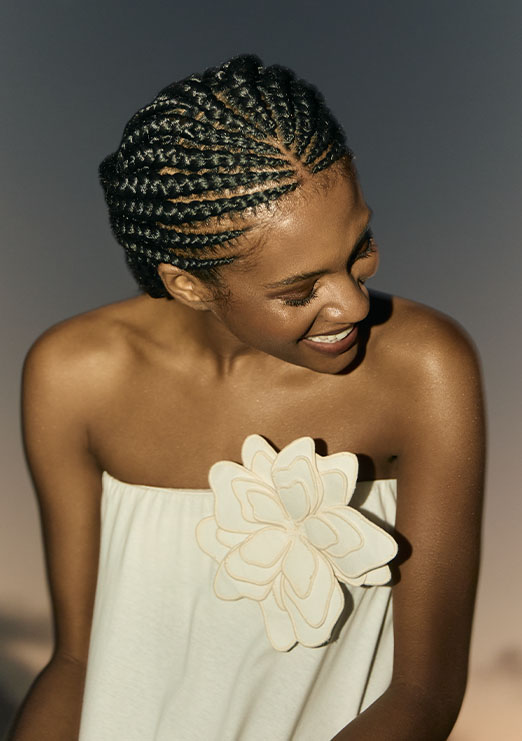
x,y
185,287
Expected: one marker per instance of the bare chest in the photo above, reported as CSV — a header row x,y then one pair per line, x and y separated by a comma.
x,y
167,430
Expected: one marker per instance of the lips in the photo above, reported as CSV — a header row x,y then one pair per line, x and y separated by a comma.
x,y
333,346
330,334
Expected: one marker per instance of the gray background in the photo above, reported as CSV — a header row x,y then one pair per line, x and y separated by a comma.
x,y
430,96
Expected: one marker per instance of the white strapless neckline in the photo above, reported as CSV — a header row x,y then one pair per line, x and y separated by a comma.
x,y
187,490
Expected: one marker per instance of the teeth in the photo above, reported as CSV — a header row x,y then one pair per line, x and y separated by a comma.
x,y
331,337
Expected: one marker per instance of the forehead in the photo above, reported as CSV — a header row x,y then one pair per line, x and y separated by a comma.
x,y
312,223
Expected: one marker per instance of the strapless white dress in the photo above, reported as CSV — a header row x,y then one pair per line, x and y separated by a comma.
x,y
177,655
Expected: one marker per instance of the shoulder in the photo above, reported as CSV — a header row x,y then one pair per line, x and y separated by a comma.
x,y
430,371
421,343
83,350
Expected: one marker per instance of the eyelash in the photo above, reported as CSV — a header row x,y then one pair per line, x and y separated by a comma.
x,y
367,252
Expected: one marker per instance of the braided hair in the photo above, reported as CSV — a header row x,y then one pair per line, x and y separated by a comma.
x,y
204,151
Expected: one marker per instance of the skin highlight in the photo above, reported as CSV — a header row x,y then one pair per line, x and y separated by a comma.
x,y
317,230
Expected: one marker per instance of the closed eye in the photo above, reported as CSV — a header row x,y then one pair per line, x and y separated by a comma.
x,y
366,249
302,301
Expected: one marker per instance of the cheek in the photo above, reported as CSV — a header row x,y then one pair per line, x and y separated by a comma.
x,y
268,323
289,322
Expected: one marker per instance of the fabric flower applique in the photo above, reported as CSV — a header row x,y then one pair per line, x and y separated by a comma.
x,y
283,535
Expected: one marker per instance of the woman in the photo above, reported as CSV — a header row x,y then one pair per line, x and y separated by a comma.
x,y
341,433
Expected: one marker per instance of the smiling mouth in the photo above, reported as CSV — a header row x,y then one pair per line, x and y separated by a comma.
x,y
330,338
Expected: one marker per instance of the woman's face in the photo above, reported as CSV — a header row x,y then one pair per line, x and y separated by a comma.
x,y
307,279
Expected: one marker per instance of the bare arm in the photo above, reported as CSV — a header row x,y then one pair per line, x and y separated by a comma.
x,y
440,489
68,486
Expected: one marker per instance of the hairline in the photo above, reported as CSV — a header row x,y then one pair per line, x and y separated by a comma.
x,y
256,234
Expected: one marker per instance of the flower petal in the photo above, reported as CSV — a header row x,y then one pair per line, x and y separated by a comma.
x,y
295,500
265,547
277,591
319,532
206,535
278,625
314,607
293,466
258,456
339,476
227,508
378,577
243,486
228,588
224,585
349,536
377,546
244,571
315,635
353,581
301,447
266,508
300,567
296,463
228,538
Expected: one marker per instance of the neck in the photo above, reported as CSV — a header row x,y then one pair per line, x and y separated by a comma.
x,y
205,339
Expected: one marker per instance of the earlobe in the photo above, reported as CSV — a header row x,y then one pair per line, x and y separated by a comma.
x,y
183,286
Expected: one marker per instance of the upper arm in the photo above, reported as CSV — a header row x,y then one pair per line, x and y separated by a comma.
x,y
67,483
439,508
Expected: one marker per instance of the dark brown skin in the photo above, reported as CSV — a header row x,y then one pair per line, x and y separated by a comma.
x,y
155,391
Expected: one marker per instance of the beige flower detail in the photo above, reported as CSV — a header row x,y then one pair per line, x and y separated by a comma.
x,y
283,535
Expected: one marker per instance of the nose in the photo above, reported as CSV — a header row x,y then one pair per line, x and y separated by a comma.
x,y
347,302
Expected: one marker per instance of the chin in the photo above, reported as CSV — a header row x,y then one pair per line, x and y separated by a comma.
x,y
344,362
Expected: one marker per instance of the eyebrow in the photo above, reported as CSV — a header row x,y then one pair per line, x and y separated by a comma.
x,y
316,273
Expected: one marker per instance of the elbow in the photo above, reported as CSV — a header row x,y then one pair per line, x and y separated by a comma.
x,y
433,710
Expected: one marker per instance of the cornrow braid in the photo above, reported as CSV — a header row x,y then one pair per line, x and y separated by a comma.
x,y
210,147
